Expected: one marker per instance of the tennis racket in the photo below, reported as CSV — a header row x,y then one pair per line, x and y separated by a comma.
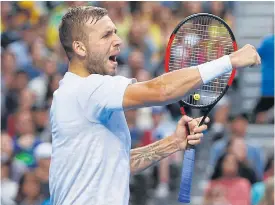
x,y
198,39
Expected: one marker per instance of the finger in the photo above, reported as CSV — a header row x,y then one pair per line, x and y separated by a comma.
x,y
195,136
200,128
194,142
185,119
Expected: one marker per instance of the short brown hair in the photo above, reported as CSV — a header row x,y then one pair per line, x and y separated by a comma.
x,y
71,27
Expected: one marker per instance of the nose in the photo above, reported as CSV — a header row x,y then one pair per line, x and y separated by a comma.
x,y
117,41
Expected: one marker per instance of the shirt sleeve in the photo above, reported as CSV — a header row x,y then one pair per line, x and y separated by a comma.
x,y
99,95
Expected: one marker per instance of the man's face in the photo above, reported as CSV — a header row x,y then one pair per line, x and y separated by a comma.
x,y
239,127
102,46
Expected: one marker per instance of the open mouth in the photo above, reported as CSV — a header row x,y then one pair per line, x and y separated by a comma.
x,y
112,58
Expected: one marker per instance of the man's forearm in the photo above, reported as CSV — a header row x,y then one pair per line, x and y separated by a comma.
x,y
179,82
143,157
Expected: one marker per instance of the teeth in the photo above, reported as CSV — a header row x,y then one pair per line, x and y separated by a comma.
x,y
115,58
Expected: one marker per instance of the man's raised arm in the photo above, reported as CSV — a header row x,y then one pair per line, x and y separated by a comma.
x,y
170,87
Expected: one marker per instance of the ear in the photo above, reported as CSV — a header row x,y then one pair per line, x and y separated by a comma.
x,y
79,48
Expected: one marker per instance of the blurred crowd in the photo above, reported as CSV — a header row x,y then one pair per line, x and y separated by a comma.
x,y
32,63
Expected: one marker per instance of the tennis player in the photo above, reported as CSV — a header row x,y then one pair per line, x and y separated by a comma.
x,y
91,160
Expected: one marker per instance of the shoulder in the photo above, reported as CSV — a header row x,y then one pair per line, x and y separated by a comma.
x,y
104,85
267,40
253,148
97,79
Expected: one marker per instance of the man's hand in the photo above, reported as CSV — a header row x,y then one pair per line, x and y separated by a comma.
x,y
180,135
246,56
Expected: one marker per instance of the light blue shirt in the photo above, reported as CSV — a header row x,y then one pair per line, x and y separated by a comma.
x,y
91,141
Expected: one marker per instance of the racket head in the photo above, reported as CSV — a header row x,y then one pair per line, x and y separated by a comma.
x,y
198,39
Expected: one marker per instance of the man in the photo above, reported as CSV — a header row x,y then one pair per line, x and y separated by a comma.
x,y
91,141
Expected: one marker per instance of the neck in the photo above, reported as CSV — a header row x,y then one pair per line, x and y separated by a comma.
x,y
78,68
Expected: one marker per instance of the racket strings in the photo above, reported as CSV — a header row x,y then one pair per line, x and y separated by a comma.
x,y
198,42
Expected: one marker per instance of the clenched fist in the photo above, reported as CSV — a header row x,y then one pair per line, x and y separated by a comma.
x,y
246,56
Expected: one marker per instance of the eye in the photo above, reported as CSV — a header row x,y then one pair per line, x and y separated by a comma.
x,y
107,34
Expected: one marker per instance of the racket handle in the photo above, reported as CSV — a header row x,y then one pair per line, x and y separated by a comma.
x,y
187,173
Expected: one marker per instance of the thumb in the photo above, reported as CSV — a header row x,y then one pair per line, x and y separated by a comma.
x,y
185,119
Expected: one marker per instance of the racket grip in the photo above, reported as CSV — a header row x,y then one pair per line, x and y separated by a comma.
x,y
187,173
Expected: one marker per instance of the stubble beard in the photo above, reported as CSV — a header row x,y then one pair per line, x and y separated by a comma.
x,y
96,64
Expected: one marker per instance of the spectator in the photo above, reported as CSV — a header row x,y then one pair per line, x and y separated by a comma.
x,y
8,62
138,38
6,147
6,9
38,53
8,186
29,190
39,84
262,193
238,129
15,19
233,189
191,7
17,92
258,189
119,12
135,67
269,168
266,102
268,198
55,17
237,147
41,119
53,84
219,8
26,100
8,94
20,48
25,141
163,23
135,132
42,155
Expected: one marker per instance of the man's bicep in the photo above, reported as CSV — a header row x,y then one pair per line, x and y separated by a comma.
x,y
142,94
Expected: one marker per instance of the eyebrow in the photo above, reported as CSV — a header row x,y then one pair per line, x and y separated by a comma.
x,y
111,29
